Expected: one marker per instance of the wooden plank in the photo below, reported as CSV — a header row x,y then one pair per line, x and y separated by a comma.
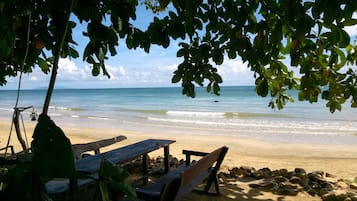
x,y
78,149
121,155
189,175
200,166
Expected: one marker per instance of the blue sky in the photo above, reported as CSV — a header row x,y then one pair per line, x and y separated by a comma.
x,y
131,68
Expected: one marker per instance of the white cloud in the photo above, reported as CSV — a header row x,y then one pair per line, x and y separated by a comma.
x,y
116,72
151,72
67,65
34,78
352,30
68,70
170,68
235,72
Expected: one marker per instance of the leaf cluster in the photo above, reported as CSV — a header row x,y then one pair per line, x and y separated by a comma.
x,y
266,34
111,182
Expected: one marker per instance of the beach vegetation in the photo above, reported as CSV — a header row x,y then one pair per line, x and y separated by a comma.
x,y
302,45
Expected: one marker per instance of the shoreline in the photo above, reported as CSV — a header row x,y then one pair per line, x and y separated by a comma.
x,y
338,160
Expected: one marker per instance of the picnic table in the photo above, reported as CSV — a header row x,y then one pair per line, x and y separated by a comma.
x,y
91,164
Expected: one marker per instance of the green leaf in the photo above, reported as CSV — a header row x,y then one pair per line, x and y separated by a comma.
x,y
216,88
349,22
101,54
342,59
332,37
73,53
109,169
90,60
272,5
325,95
176,78
43,64
262,86
104,191
189,90
96,69
217,56
209,87
232,54
217,78
344,38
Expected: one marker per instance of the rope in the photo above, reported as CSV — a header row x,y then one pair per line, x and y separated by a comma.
x,y
8,140
20,78
24,61
23,127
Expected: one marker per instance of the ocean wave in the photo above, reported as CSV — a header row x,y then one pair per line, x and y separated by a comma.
x,y
7,109
101,118
159,112
263,127
252,115
241,115
55,114
64,108
196,113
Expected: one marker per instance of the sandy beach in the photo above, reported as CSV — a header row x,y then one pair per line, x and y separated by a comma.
x,y
338,160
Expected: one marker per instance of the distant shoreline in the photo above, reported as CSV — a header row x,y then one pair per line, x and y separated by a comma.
x,y
133,87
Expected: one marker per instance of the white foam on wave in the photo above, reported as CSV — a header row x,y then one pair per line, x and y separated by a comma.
x,y
196,113
57,108
7,109
263,127
55,114
63,108
100,118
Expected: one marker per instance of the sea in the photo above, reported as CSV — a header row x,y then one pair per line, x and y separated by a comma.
x,y
237,112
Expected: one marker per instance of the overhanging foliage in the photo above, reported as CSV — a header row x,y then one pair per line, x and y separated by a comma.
x,y
263,33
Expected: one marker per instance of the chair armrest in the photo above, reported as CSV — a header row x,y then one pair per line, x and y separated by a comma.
x,y
190,153
194,153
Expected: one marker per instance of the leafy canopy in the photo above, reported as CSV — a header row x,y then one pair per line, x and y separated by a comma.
x,y
264,33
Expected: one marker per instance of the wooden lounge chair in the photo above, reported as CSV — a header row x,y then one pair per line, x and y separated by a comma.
x,y
79,149
177,183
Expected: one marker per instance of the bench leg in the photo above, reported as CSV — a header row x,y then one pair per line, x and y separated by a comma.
x,y
211,179
166,159
73,188
96,151
145,168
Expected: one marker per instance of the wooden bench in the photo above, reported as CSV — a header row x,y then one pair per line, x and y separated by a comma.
x,y
79,149
175,184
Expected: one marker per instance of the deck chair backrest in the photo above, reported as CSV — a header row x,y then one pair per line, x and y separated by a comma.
x,y
204,164
169,190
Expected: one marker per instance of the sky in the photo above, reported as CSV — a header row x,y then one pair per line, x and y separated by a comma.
x,y
131,68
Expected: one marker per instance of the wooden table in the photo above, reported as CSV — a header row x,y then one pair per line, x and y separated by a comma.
x,y
91,164
125,154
